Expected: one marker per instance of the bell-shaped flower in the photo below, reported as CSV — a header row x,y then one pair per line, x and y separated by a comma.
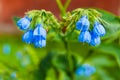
x,y
24,23
39,36
39,42
83,24
28,36
84,37
98,29
40,31
95,40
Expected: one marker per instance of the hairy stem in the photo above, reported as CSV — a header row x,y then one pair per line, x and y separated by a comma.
x,y
67,4
61,7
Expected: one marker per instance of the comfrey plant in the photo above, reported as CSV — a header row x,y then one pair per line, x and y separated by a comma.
x,y
34,24
88,35
87,21
80,25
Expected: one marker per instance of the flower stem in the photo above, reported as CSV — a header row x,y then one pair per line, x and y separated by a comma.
x,y
63,8
69,57
67,4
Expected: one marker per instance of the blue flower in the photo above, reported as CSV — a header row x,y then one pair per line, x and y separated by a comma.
x,y
98,29
95,40
39,36
24,23
83,24
39,42
85,70
84,37
28,36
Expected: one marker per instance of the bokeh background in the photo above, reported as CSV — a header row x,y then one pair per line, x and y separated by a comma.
x,y
19,60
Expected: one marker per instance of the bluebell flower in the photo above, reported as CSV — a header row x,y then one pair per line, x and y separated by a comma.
x,y
39,42
84,37
98,29
6,49
39,36
85,70
24,23
28,36
83,24
95,41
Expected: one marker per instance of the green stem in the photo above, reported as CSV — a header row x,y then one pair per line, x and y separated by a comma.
x,y
69,57
67,4
61,7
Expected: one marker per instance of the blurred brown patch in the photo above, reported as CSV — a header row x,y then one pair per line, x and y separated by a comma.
x,y
11,8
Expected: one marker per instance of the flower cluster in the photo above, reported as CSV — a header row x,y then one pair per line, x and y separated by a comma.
x,y
85,70
89,36
36,36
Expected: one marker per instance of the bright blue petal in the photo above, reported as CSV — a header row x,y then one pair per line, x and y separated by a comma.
x,y
98,29
28,37
84,37
83,24
79,71
24,23
39,41
95,41
40,31
89,70
78,25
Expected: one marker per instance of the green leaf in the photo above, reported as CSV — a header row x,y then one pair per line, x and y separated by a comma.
x,y
63,76
51,74
60,62
101,61
111,49
103,75
44,66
